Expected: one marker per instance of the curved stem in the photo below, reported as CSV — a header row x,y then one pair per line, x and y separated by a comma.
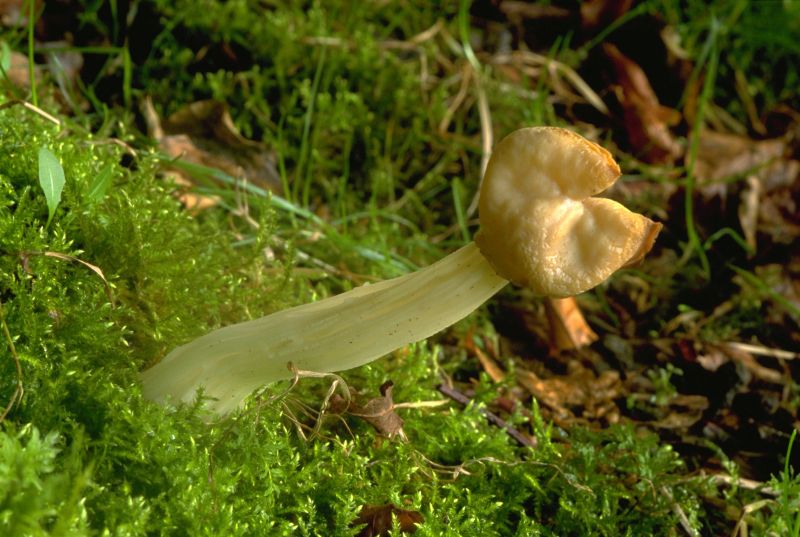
x,y
337,333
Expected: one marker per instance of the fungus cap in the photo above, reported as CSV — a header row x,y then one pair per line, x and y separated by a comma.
x,y
541,228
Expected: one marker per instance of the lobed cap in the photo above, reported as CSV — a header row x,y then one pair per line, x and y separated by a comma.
x,y
540,227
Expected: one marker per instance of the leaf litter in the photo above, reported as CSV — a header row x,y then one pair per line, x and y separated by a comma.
x,y
203,133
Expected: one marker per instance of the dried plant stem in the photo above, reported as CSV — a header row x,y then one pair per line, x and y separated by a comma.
x,y
16,397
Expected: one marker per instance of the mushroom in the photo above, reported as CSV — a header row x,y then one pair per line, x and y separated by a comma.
x,y
540,228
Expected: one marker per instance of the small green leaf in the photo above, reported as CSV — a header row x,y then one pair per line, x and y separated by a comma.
x,y
51,177
5,57
97,190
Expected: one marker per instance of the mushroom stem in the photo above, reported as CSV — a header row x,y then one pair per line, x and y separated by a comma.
x,y
337,333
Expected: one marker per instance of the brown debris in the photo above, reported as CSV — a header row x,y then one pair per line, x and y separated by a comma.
x,y
18,73
379,520
491,367
646,121
460,397
597,14
516,11
722,155
684,411
13,13
203,133
568,327
748,211
749,362
580,391
380,413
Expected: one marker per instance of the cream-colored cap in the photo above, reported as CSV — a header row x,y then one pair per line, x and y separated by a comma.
x,y
541,228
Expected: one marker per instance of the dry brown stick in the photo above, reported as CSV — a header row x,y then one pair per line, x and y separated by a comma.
x,y
493,418
32,108
682,518
487,135
16,397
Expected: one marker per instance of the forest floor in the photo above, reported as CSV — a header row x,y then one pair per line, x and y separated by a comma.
x,y
167,168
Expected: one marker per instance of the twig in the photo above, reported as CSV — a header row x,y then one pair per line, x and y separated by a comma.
x,y
415,40
684,520
19,391
763,351
32,108
556,69
411,43
748,484
459,397
458,100
741,527
487,136
71,258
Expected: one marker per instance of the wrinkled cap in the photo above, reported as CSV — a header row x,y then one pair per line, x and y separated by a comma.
x,y
541,228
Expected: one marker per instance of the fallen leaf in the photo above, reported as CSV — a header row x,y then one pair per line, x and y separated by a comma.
x,y
779,214
598,14
65,64
379,520
517,11
685,411
593,395
646,121
491,367
712,359
18,73
768,201
722,156
568,328
13,14
380,413
203,133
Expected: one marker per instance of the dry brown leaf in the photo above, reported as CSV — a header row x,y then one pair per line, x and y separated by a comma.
x,y
712,359
646,121
779,214
769,198
685,411
491,367
18,73
63,62
380,413
203,133
218,144
517,11
580,388
597,14
379,520
13,13
568,327
721,155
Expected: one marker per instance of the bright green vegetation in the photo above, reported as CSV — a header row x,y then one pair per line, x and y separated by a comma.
x,y
373,188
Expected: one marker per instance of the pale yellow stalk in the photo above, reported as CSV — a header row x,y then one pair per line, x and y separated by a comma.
x,y
334,334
